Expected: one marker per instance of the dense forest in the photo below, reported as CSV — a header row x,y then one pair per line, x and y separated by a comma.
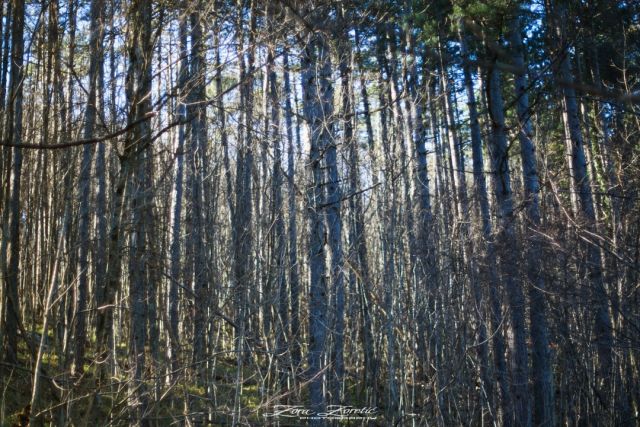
x,y
292,212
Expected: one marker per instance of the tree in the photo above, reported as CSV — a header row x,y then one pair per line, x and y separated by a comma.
x,y
508,249
208,211
97,34
14,128
317,103
543,411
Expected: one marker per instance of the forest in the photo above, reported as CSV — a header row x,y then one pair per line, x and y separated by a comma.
x,y
320,212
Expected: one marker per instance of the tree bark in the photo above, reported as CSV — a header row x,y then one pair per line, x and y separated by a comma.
x,y
14,134
366,284
507,253
176,270
601,320
542,371
84,190
197,165
294,275
139,79
242,232
482,203
318,108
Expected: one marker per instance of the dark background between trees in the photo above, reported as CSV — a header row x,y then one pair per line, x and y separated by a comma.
x,y
210,208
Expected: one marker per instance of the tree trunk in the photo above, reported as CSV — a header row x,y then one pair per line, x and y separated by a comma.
x,y
294,276
242,232
138,95
197,165
176,276
542,371
279,250
318,103
507,253
602,322
80,332
480,195
366,284
15,135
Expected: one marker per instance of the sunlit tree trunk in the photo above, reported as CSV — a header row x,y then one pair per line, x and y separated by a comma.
x,y
197,164
293,265
176,271
318,108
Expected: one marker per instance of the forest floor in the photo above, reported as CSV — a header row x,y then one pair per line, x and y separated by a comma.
x,y
86,400
83,401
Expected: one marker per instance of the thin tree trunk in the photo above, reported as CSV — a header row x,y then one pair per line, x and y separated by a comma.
x,y
317,102
176,276
84,190
490,272
442,189
197,164
4,67
222,119
387,211
242,232
138,94
481,195
508,251
602,321
294,276
542,371
279,250
46,316
366,284
15,135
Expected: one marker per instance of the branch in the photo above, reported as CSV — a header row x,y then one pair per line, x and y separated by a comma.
x,y
601,93
78,142
293,13
505,65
